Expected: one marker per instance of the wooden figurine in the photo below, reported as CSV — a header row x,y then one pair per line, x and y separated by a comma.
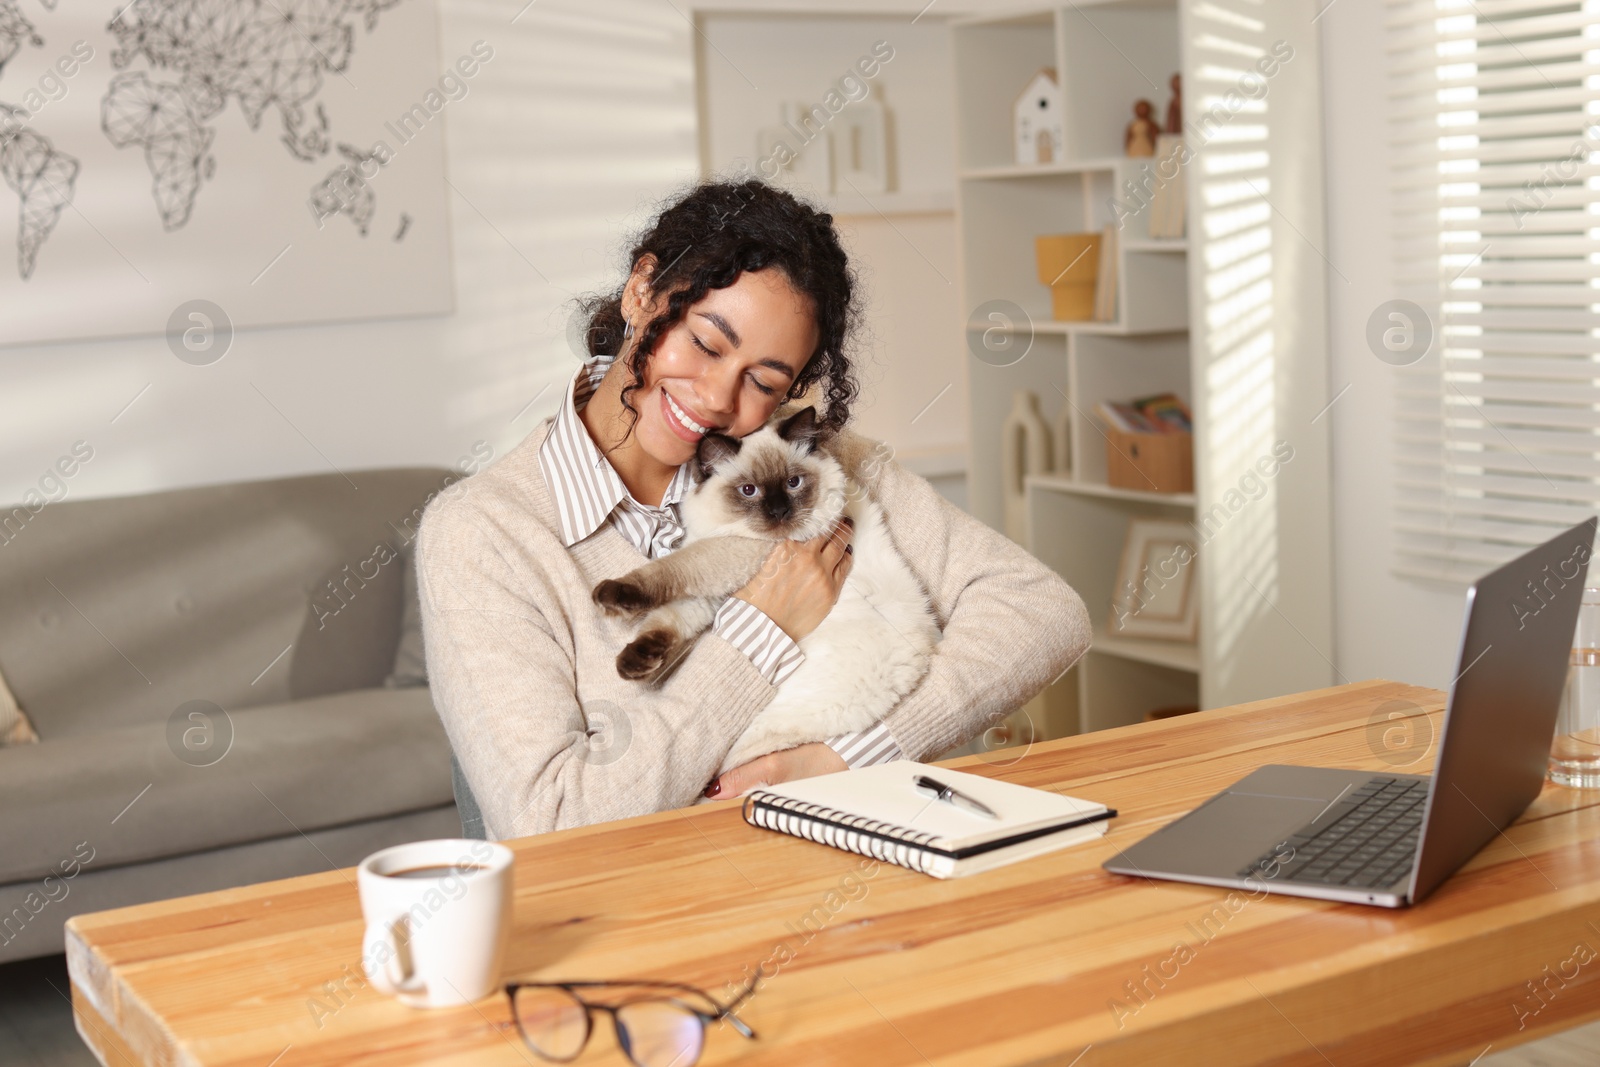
x,y
1140,139
1175,108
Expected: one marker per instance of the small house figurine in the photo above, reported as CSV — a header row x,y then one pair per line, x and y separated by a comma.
x,y
1140,139
1036,119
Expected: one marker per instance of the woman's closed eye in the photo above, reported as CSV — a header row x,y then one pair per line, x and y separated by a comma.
x,y
718,355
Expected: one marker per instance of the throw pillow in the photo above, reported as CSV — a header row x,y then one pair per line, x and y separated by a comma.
x,y
410,668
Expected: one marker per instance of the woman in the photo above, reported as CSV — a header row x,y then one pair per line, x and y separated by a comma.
x,y
739,297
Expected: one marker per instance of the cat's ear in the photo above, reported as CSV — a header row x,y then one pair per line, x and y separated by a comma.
x,y
801,429
713,451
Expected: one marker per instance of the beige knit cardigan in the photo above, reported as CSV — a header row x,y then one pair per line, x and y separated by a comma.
x,y
522,663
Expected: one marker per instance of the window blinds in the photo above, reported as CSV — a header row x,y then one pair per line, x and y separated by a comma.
x,y
1496,186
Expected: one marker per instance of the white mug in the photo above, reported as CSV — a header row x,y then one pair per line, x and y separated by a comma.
x,y
438,917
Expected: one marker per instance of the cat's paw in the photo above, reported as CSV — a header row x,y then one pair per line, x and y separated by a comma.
x,y
621,597
645,655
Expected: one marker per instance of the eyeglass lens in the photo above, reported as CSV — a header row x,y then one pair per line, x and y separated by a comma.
x,y
652,1032
552,1021
659,1033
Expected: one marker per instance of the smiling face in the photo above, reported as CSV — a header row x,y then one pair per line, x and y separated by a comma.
x,y
726,367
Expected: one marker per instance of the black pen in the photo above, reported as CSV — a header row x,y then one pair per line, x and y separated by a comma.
x,y
939,791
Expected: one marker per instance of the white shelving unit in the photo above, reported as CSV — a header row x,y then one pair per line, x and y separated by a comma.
x,y
1265,356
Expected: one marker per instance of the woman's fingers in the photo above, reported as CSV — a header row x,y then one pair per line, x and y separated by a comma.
x,y
838,539
839,554
738,779
803,761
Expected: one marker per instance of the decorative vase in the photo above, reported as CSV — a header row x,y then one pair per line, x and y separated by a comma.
x,y
1061,437
1025,449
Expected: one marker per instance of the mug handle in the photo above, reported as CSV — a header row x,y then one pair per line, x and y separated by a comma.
x,y
393,975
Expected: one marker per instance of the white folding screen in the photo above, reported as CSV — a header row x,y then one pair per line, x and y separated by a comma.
x,y
1496,196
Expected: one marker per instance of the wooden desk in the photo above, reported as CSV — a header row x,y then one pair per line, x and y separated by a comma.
x,y
1031,964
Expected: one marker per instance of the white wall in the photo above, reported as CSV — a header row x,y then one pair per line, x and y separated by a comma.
x,y
575,133
1384,626
584,111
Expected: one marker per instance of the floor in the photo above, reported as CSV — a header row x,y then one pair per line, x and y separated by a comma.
x,y
1575,1048
36,1016
36,1027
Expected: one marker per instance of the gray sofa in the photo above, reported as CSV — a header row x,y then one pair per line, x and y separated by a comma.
x,y
212,675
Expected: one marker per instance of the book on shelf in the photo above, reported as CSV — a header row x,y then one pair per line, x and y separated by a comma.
x,y
1167,411
877,811
1168,200
1162,413
1105,289
1123,417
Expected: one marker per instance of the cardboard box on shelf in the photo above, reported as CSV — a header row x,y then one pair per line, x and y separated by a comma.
x,y
1150,462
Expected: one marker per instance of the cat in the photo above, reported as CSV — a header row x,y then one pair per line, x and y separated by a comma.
x,y
781,482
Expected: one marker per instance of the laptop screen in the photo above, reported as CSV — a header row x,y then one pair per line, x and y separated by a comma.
x,y
1501,715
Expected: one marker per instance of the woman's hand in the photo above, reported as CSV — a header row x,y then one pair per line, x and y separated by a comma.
x,y
803,761
799,582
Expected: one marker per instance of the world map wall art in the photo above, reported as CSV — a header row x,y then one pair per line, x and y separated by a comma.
x,y
282,159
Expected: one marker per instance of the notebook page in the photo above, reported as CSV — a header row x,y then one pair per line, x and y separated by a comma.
x,y
884,792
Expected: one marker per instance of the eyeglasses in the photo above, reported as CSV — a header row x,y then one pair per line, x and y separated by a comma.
x,y
664,1025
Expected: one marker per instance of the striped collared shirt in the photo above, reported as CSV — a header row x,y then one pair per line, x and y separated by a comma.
x,y
588,492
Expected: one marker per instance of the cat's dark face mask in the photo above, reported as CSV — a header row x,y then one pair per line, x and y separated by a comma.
x,y
773,492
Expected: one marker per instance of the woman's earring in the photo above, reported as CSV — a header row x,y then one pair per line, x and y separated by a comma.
x,y
627,331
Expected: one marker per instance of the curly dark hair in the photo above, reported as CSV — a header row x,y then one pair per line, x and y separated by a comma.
x,y
704,240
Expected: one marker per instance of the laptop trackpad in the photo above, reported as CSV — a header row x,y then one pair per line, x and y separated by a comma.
x,y
1224,834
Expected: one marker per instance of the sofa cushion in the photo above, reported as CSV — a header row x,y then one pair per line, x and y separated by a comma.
x,y
116,611
287,768
32,913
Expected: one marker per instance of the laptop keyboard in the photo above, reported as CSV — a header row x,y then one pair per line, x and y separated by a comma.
x,y
1369,838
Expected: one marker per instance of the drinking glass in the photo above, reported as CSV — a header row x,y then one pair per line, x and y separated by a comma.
x,y
1575,754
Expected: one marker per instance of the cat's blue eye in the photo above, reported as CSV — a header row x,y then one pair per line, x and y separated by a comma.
x,y
794,481
747,489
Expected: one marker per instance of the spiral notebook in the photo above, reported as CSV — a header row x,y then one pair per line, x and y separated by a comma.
x,y
876,811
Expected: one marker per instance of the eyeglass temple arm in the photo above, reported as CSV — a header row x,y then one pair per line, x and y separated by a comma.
x,y
727,1009
745,994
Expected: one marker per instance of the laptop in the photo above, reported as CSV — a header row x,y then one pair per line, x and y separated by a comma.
x,y
1391,839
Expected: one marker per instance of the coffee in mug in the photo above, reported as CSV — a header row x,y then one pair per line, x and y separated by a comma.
x,y
434,872
438,918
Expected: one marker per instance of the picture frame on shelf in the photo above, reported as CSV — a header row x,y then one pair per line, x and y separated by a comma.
x,y
860,149
1155,595
804,155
